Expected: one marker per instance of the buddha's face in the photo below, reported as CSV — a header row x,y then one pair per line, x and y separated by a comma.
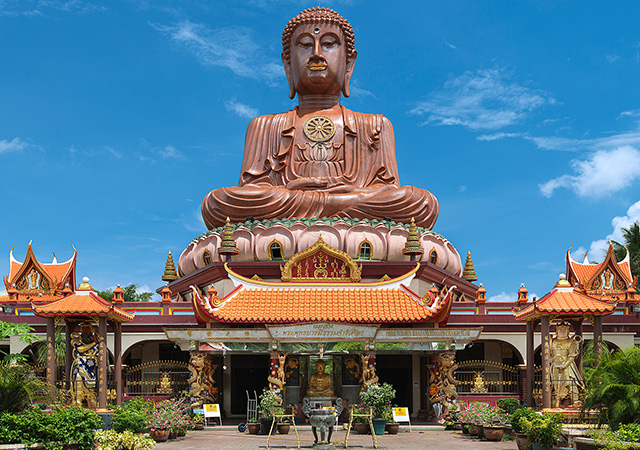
x,y
319,62
320,366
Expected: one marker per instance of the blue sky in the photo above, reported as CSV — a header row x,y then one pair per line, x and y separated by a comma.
x,y
117,117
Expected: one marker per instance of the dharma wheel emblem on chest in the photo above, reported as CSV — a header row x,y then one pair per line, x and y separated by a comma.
x,y
319,128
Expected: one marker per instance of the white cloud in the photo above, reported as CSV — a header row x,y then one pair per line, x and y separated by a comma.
x,y
630,113
462,188
232,47
481,100
31,8
241,109
113,151
14,145
613,58
601,174
598,248
3,292
508,297
356,91
631,137
170,152
578,254
497,136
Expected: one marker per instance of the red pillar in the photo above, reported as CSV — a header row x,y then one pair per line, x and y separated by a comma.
x,y
118,360
102,363
597,338
546,363
68,355
530,361
51,353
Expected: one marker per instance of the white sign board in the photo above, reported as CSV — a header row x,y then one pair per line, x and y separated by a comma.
x,y
427,334
220,335
401,414
212,410
323,331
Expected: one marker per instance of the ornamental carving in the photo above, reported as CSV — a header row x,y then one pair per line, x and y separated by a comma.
x,y
321,263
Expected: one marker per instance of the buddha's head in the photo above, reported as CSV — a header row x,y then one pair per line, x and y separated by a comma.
x,y
318,53
320,366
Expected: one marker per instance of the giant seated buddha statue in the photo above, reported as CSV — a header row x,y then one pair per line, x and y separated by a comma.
x,y
320,159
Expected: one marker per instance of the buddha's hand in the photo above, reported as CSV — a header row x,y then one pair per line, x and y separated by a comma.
x,y
303,184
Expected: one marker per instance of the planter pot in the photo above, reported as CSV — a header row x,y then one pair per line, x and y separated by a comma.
x,y
362,428
283,428
392,428
254,428
173,434
523,441
537,446
493,433
457,426
473,429
159,435
199,426
465,428
265,426
480,431
182,433
378,426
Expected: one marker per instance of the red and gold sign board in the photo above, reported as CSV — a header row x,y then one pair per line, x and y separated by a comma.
x,y
321,263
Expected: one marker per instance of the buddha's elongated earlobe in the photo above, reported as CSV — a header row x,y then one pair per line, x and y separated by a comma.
x,y
347,74
287,71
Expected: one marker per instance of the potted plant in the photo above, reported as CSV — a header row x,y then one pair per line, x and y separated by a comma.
x,y
269,401
392,427
517,427
543,430
198,421
360,423
627,437
253,427
379,397
284,424
493,423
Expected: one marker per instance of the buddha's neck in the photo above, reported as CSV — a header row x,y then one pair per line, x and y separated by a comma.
x,y
308,103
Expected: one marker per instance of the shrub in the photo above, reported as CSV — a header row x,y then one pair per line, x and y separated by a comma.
x,y
508,405
19,387
543,429
517,416
379,396
630,432
112,440
268,403
64,426
614,388
132,416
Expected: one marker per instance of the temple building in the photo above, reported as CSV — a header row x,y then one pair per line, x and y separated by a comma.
x,y
320,274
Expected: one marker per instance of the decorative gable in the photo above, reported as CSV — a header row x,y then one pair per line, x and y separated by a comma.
x,y
321,263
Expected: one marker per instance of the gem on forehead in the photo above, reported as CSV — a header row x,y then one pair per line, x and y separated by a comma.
x,y
316,31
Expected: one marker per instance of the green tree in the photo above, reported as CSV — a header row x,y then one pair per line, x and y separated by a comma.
x,y
23,332
613,388
130,294
631,238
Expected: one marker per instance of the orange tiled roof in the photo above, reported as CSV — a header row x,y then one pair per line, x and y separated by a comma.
x,y
565,302
82,303
585,272
265,302
56,272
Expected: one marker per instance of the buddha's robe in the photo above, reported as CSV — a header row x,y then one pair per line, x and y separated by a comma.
x,y
367,188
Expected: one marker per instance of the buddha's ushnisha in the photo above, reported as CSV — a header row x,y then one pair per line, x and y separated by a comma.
x,y
319,159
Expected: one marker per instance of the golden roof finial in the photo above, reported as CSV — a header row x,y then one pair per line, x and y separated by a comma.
x,y
413,247
85,286
469,272
228,245
170,273
562,281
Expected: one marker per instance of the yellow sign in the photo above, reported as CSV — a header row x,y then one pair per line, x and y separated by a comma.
x,y
400,411
211,408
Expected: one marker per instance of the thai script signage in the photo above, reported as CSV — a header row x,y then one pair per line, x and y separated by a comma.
x,y
323,331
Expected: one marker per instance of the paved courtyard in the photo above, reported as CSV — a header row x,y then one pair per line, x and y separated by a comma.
x,y
226,438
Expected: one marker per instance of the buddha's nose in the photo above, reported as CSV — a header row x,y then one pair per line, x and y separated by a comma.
x,y
317,49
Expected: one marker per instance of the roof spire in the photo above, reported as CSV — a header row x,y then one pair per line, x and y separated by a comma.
x,y
469,272
85,286
228,246
522,294
170,273
413,247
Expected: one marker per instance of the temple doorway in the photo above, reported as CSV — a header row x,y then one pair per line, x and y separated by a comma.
x,y
248,373
397,370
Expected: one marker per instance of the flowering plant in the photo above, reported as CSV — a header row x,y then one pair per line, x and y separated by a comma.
x,y
167,414
269,402
378,396
475,412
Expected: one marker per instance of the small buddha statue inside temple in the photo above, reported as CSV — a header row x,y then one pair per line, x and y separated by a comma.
x,y
319,159
320,383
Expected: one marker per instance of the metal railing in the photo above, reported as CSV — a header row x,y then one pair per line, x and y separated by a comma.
x,y
487,378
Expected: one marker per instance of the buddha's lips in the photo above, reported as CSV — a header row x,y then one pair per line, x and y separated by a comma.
x,y
317,66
